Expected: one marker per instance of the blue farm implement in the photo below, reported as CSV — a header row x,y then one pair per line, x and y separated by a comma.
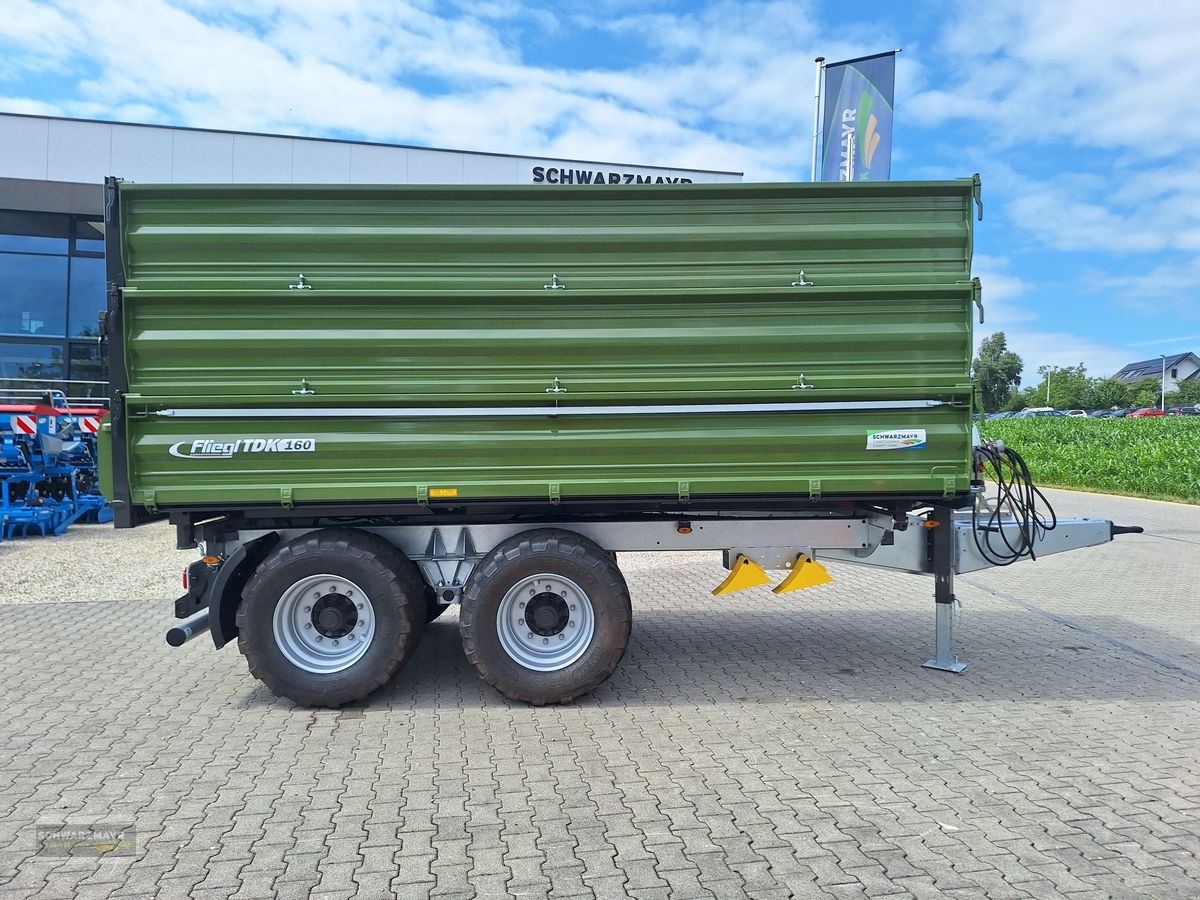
x,y
48,478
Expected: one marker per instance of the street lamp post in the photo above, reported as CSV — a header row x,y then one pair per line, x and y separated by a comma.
x,y
1164,382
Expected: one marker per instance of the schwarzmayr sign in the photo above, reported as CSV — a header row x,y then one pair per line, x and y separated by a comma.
x,y
554,175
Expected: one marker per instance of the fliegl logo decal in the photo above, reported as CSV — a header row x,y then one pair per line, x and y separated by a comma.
x,y
901,439
208,448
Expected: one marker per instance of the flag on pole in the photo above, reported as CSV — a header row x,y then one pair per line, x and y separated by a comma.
x,y
857,127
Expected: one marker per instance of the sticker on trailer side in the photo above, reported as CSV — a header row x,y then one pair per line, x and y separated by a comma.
x,y
897,439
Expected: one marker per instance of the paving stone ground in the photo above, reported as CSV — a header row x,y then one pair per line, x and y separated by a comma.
x,y
748,747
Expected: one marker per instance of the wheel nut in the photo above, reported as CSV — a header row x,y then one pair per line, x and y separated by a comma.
x,y
349,637
520,621
360,606
529,635
545,640
308,624
572,607
561,636
317,594
335,643
521,604
308,609
572,624
563,593
319,639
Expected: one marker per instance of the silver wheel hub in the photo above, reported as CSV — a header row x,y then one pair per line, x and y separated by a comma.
x,y
324,624
545,622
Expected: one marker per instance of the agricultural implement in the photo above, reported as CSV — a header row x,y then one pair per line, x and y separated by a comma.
x,y
48,466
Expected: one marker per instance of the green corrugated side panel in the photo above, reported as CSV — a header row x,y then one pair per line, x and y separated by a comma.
x,y
432,296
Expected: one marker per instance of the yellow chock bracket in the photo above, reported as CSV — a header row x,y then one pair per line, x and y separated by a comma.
x,y
806,573
746,573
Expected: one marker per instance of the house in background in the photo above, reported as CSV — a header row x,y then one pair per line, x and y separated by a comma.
x,y
1179,367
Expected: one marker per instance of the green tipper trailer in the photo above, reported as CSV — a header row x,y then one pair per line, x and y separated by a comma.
x,y
365,403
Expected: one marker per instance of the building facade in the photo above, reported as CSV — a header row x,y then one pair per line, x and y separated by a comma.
x,y
52,216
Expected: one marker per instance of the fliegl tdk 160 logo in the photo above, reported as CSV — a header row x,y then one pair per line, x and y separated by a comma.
x,y
209,448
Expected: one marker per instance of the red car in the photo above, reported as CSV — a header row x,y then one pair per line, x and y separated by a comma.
x,y
1146,412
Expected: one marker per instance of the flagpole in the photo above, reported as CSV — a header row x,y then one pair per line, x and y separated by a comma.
x,y
820,61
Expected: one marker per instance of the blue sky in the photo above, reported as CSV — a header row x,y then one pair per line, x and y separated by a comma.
x,y
1082,117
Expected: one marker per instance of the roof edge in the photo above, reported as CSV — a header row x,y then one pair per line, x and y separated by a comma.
x,y
303,137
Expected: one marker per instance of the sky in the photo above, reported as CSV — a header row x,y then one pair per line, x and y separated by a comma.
x,y
1082,116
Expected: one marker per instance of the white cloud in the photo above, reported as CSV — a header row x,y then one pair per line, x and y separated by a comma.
x,y
1056,348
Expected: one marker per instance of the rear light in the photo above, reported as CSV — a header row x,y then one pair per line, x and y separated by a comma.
x,y
185,582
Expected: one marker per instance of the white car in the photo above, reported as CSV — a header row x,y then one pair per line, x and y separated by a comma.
x,y
1077,413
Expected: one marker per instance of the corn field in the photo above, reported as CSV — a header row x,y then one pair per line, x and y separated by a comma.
x,y
1157,458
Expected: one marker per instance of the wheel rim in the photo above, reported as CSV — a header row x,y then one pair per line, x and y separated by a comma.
x,y
545,622
324,624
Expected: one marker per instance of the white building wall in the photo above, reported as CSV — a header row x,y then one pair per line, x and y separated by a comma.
x,y
66,150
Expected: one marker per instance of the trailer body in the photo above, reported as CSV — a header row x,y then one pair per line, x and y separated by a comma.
x,y
454,345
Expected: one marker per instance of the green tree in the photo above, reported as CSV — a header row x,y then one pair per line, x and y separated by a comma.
x,y
1108,392
1069,387
1147,392
997,371
1187,394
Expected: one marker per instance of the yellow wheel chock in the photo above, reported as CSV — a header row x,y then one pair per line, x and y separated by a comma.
x,y
806,573
745,573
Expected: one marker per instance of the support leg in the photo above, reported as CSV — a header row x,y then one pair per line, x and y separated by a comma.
x,y
941,553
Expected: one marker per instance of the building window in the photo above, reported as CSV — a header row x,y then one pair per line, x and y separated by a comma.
x,y
87,364
87,296
33,232
34,299
30,360
53,286
89,236
1174,373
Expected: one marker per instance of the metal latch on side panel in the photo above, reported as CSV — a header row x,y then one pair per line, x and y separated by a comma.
x,y
149,501
554,492
976,290
685,492
814,489
977,193
422,495
285,498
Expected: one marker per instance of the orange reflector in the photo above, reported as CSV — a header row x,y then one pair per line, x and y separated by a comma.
x,y
930,523
211,560
684,529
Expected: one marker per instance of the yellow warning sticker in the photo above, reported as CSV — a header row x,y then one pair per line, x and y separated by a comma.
x,y
443,492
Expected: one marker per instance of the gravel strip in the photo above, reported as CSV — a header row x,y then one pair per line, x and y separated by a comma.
x,y
93,562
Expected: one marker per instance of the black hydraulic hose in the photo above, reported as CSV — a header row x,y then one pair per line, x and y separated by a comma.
x,y
1016,502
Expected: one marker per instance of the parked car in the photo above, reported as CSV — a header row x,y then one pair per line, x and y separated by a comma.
x,y
1120,413
1000,415
1077,413
1100,413
1146,412
1184,411
1038,412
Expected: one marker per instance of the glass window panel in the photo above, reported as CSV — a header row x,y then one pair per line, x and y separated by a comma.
x,y
89,235
35,232
33,294
87,295
44,361
87,364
